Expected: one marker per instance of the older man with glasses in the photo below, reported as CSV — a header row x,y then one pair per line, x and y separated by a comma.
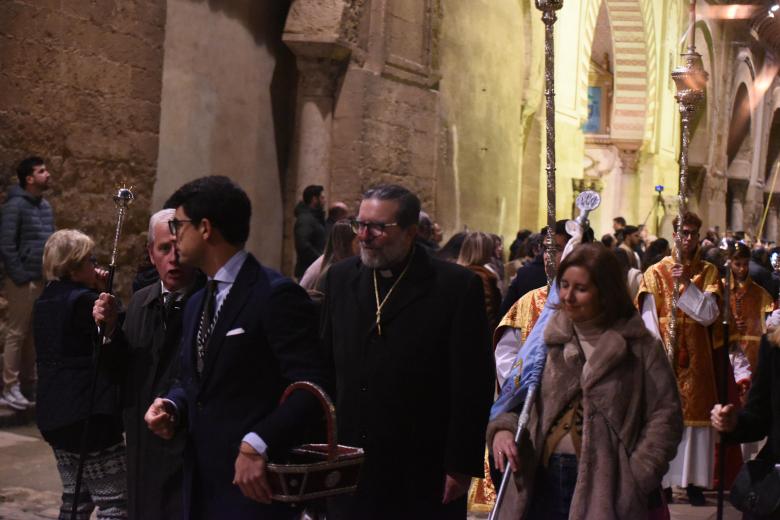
x,y
408,338
147,348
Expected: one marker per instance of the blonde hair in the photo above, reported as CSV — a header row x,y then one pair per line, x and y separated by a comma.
x,y
477,249
63,253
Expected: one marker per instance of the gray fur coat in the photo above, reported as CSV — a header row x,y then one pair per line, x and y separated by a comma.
x,y
632,421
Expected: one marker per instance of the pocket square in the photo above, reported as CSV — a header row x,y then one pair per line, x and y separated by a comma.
x,y
235,332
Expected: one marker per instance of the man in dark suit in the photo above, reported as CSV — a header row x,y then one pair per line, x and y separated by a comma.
x,y
247,336
408,337
146,350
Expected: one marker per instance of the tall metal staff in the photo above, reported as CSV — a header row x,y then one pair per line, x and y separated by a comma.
x,y
549,17
728,247
123,198
690,79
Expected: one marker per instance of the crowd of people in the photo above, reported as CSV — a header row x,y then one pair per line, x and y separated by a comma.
x,y
174,407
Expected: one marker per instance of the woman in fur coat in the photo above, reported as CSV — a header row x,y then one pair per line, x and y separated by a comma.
x,y
607,419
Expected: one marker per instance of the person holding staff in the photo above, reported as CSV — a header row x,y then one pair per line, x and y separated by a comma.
x,y
607,420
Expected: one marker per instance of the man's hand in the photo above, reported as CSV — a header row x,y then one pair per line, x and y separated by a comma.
x,y
160,420
682,274
105,311
251,476
724,418
504,447
455,486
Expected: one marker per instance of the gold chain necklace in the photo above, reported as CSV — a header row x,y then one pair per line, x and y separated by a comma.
x,y
381,304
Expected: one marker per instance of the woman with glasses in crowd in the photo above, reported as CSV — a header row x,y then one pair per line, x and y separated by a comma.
x,y
607,420
65,336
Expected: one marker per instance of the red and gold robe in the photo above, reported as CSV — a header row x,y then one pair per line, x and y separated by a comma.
x,y
693,364
523,314
753,303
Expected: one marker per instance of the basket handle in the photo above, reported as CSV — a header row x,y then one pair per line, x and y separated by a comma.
x,y
327,406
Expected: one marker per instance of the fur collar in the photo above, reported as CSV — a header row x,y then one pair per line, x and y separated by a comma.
x,y
612,348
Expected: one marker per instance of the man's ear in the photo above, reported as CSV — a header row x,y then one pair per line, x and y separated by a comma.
x,y
206,229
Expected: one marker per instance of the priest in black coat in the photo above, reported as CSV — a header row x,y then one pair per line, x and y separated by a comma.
x,y
408,338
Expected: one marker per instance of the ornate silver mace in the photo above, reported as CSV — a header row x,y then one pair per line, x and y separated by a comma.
x,y
690,79
549,17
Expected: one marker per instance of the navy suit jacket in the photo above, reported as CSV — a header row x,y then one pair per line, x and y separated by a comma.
x,y
238,392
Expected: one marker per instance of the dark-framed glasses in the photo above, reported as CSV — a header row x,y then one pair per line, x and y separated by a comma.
x,y
688,233
372,228
174,225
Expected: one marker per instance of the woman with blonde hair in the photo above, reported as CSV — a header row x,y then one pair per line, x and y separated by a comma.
x,y
477,251
65,334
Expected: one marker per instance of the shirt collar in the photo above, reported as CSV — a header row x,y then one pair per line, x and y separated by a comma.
x,y
229,272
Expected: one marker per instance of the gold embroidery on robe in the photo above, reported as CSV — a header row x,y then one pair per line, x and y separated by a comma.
x,y
693,369
755,304
523,314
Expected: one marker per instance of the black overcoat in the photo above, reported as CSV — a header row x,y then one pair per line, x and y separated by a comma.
x,y
417,397
760,418
148,347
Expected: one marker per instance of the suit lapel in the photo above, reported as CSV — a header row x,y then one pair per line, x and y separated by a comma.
x,y
362,285
190,324
234,302
152,304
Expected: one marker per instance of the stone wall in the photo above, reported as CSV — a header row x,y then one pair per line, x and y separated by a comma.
x,y
80,86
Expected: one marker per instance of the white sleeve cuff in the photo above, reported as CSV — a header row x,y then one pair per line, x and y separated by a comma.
x,y
173,405
256,442
739,363
700,306
506,353
650,315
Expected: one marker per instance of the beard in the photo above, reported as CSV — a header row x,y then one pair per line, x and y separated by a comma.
x,y
384,257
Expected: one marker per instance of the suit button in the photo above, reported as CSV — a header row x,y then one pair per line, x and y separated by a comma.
x,y
199,404
364,436
364,388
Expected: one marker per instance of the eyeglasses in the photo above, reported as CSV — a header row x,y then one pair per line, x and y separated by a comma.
x,y
174,225
374,229
688,233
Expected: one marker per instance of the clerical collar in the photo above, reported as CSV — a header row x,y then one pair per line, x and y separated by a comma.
x,y
396,269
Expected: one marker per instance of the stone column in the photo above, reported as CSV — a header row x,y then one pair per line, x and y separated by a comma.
x,y
317,82
738,189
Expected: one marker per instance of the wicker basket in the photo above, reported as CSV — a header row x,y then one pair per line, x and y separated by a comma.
x,y
316,470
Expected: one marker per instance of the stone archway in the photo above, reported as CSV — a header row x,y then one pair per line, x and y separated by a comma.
x,y
632,113
613,155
